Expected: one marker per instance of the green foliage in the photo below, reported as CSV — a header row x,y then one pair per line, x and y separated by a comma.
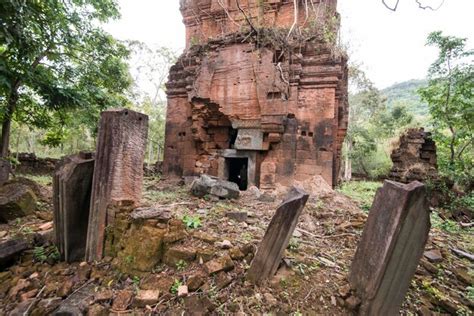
x,y
56,62
449,95
407,93
470,293
191,221
363,192
174,288
40,179
447,225
372,123
136,281
181,265
43,254
294,244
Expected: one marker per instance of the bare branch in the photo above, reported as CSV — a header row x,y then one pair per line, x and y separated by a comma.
x,y
246,17
429,7
295,2
391,9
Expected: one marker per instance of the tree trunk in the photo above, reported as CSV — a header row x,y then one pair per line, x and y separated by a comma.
x,y
348,163
6,124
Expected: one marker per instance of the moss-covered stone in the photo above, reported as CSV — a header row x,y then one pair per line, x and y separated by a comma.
x,y
16,200
141,249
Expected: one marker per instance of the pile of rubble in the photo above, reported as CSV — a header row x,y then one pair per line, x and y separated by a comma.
x,y
415,157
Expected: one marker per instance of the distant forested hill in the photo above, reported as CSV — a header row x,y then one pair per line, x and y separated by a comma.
x,y
406,93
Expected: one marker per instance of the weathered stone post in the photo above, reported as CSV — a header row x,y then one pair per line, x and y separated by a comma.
x,y
391,247
277,237
72,183
118,171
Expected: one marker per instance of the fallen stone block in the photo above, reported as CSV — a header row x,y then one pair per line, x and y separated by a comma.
x,y
390,248
146,297
179,253
77,303
16,200
122,300
277,237
182,291
223,263
214,186
434,255
160,214
10,250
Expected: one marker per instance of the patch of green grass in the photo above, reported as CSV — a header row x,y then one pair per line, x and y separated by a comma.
x,y
363,192
164,197
43,180
449,226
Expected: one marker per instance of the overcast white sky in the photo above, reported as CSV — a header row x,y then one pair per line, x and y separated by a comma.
x,y
390,45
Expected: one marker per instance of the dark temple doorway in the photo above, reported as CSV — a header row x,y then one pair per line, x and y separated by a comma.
x,y
238,170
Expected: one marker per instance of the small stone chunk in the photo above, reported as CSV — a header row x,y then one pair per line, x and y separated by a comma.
x,y
97,310
236,254
195,282
434,255
159,282
225,244
182,291
122,300
46,226
204,254
345,290
237,216
66,288
205,237
464,276
104,296
270,299
178,253
223,263
28,295
222,280
146,297
352,302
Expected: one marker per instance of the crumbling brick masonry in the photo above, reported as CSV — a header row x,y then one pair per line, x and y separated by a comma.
x,y
259,96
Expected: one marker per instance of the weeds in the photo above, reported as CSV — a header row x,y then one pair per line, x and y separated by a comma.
x,y
181,265
174,288
43,254
363,192
192,221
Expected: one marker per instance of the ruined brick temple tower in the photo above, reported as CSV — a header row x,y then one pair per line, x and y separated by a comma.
x,y
259,97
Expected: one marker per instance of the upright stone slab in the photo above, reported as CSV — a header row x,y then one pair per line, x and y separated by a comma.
x,y
72,184
390,248
118,171
277,237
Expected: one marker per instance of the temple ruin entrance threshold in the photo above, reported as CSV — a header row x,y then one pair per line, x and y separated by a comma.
x,y
239,166
238,170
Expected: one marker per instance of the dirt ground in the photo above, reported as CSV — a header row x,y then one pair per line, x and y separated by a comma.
x,y
311,278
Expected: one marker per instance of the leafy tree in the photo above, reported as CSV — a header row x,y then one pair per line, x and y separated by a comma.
x,y
449,95
150,67
54,57
371,125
